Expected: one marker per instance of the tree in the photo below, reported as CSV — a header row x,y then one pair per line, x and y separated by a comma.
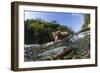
x,y
38,31
86,20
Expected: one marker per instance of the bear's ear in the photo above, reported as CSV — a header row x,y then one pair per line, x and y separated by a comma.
x,y
53,33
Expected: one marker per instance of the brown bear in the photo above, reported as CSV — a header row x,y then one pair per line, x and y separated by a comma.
x,y
59,35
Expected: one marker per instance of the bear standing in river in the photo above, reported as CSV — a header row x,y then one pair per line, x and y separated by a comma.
x,y
58,35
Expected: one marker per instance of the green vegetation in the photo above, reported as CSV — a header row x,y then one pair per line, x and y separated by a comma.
x,y
38,31
86,20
